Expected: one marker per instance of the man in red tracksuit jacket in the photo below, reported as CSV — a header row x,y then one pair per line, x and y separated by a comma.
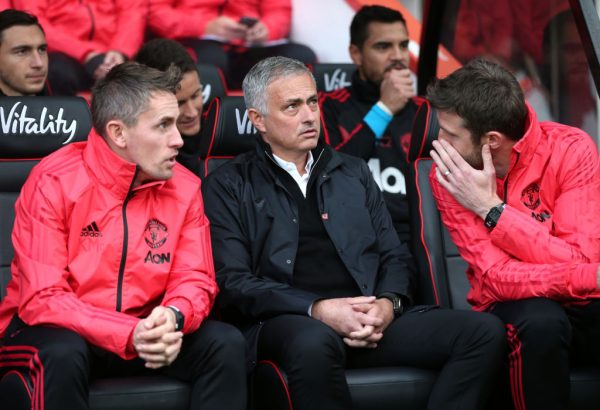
x,y
113,270
521,201
86,38
233,35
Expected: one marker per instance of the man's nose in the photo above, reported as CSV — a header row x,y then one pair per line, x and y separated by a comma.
x,y
188,109
37,59
176,141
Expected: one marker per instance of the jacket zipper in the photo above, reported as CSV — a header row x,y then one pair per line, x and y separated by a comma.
x,y
92,22
125,243
506,179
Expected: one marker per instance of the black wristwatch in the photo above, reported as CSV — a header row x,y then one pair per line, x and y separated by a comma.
x,y
491,219
179,318
396,303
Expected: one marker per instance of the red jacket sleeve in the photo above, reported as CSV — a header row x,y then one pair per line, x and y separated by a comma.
x,y
192,287
575,218
497,275
277,16
40,265
172,19
131,24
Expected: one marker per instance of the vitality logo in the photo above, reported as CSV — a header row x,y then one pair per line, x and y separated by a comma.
x,y
91,230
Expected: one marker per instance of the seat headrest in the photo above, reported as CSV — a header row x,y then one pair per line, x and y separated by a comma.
x,y
331,76
425,130
33,127
227,130
213,82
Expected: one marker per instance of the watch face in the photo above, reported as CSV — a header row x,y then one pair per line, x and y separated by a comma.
x,y
492,217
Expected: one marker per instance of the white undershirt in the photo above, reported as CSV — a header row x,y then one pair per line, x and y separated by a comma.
x,y
290,167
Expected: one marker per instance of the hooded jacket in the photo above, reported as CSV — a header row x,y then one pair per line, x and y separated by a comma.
x,y
547,240
93,254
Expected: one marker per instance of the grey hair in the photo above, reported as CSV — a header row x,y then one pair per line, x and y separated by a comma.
x,y
126,90
264,73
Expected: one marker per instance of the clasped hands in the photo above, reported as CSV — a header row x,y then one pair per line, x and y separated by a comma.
x,y
155,339
360,320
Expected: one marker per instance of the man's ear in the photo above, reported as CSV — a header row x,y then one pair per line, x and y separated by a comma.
x,y
257,119
494,138
355,55
116,132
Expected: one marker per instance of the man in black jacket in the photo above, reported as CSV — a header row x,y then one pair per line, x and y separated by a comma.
x,y
310,266
372,118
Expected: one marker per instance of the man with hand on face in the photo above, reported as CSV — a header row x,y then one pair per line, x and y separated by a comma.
x,y
372,118
311,269
23,54
521,201
160,53
134,297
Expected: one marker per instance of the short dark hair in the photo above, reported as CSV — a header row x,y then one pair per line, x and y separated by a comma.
x,y
160,53
126,91
359,28
12,17
486,96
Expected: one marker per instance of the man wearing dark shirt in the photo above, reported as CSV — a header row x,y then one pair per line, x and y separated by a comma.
x,y
372,118
311,269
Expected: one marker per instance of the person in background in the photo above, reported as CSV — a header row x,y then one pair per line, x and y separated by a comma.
x,y
113,272
232,35
312,271
520,200
86,38
23,54
372,118
161,53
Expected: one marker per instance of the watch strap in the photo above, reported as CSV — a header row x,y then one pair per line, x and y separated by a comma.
x,y
179,318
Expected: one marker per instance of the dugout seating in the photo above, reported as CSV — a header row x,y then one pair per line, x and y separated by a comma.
x,y
22,144
213,82
331,76
441,268
226,133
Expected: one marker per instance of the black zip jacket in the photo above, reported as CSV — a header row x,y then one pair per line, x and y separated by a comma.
x,y
254,230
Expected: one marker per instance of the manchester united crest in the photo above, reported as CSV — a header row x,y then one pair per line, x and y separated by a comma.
x,y
530,196
155,233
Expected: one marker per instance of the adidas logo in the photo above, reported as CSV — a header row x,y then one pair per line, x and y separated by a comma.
x,y
91,230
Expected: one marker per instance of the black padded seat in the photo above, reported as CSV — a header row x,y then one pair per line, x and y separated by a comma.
x,y
213,82
332,76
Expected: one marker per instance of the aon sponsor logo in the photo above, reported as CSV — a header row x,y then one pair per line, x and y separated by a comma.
x,y
158,258
389,179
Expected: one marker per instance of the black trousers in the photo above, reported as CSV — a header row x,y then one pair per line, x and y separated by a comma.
x,y
235,61
544,339
467,348
54,367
